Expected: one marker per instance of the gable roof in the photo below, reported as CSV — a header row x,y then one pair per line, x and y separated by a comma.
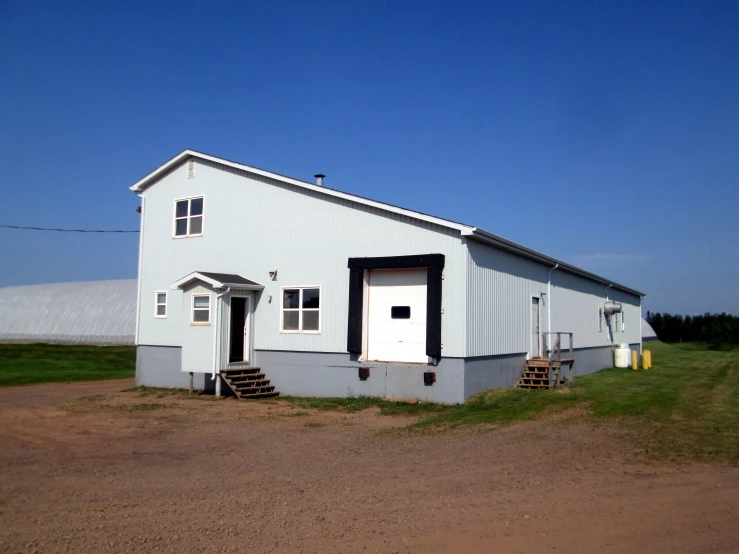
x,y
473,233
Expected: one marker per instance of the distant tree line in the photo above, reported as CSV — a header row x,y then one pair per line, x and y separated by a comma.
x,y
718,330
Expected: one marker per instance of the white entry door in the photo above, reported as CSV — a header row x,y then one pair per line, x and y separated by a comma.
x,y
535,327
396,320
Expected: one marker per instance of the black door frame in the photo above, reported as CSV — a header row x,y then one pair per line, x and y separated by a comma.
x,y
434,263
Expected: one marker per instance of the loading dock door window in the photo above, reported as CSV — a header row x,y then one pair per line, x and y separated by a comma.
x,y
400,312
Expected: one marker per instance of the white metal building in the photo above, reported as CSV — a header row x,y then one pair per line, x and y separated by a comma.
x,y
90,312
331,294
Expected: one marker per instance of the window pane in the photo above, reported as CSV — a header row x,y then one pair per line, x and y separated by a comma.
x,y
202,301
196,206
161,309
310,321
181,208
310,298
201,316
196,225
290,298
180,227
161,298
290,321
400,312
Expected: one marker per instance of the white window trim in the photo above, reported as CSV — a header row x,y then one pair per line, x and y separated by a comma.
x,y
193,308
600,319
175,218
623,323
157,304
300,310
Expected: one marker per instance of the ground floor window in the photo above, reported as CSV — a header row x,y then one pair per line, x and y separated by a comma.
x,y
160,299
200,309
301,310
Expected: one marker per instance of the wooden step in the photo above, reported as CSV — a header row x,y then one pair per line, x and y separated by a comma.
x,y
541,362
246,370
244,378
261,395
256,390
251,385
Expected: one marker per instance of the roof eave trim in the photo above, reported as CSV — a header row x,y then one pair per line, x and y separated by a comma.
x,y
241,286
504,244
149,179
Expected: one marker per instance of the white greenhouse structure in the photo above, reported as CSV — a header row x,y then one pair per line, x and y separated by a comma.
x,y
91,312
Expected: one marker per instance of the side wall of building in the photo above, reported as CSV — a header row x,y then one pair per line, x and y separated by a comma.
x,y
500,288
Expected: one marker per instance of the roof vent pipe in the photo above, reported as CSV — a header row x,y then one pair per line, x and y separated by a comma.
x,y
319,179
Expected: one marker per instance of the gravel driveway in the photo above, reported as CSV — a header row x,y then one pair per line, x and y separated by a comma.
x,y
84,467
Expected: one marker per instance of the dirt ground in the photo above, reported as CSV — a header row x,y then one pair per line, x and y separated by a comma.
x,y
85,467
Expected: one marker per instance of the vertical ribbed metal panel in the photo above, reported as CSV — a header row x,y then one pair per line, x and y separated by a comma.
x,y
499,291
253,225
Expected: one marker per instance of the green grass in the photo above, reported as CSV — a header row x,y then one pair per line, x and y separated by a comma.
x,y
25,364
686,405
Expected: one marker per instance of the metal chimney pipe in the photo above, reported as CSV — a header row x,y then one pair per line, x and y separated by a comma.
x,y
319,179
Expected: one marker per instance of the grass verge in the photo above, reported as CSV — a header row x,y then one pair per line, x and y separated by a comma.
x,y
686,405
26,364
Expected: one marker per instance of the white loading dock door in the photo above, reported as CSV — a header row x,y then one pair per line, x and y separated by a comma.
x,y
396,318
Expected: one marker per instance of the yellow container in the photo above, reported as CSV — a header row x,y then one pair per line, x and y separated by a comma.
x,y
634,362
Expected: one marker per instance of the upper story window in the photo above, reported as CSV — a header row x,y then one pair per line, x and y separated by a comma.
x,y
188,217
301,310
160,299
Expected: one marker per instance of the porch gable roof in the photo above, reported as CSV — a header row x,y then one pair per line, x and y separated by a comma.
x,y
218,280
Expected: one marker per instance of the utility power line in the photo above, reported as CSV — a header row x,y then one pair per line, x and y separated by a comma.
x,y
23,228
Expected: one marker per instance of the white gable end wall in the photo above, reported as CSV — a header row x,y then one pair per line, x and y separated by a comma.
x,y
253,225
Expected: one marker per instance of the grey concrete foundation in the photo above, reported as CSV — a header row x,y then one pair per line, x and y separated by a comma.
x,y
326,375
337,375
491,372
161,366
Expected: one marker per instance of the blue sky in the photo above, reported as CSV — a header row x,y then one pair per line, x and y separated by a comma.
x,y
605,134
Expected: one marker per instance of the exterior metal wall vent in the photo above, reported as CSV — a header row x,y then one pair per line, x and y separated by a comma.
x,y
190,168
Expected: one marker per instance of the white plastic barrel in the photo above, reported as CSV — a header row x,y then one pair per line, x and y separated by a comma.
x,y
622,355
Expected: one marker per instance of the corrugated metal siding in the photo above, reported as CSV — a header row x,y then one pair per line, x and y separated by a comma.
x,y
95,312
499,291
253,225
575,303
196,340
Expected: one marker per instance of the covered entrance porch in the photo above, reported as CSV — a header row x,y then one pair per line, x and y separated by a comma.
x,y
233,300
